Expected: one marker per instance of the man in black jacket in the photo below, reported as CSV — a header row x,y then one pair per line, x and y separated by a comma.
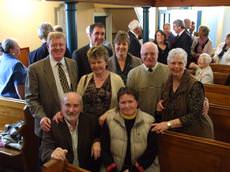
x,y
75,138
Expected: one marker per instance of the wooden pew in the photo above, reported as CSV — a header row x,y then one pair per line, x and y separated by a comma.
x,y
217,94
220,68
12,110
182,153
24,56
220,116
61,166
220,77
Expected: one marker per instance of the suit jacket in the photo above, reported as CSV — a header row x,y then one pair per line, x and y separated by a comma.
x,y
42,52
87,133
184,41
41,93
81,58
135,46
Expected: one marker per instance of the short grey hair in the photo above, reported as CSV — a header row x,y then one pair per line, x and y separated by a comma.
x,y
177,52
44,30
206,57
8,44
179,23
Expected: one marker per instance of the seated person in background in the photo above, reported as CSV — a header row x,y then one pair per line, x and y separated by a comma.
x,y
74,139
182,100
42,51
58,28
12,71
162,45
201,44
127,141
222,53
122,61
203,72
99,88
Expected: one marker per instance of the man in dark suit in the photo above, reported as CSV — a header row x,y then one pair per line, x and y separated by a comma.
x,y
96,37
183,39
42,51
75,138
44,88
134,32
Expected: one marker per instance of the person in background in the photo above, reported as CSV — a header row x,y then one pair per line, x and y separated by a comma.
x,y
48,80
127,141
187,25
222,53
134,32
183,39
169,35
12,71
162,45
96,34
99,88
203,72
192,29
122,61
58,28
80,144
42,52
201,44
182,100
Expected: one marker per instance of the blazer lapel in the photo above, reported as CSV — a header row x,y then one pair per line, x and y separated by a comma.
x,y
50,80
72,75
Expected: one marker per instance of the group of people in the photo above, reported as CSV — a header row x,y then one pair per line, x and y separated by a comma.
x,y
103,111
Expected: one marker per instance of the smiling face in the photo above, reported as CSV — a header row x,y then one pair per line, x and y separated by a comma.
x,y
128,104
71,107
57,47
176,66
121,49
149,54
98,65
160,38
97,37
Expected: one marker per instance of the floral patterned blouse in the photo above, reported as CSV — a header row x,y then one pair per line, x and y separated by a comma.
x,y
97,101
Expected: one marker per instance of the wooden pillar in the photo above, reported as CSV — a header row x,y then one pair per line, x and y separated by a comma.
x,y
71,27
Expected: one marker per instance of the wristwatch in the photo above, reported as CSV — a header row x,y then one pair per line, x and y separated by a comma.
x,y
169,124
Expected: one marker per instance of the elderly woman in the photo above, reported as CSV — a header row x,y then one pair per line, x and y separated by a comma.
x,y
99,88
127,141
201,44
222,53
182,100
12,71
203,72
122,62
162,45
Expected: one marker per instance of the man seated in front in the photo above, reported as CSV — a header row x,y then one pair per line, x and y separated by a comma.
x,y
75,138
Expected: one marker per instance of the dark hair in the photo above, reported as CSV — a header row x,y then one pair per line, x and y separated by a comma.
x,y
124,90
92,26
162,33
179,23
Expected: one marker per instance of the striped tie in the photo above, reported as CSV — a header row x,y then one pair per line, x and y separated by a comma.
x,y
63,79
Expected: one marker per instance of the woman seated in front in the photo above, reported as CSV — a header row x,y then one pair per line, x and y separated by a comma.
x,y
12,71
203,71
127,141
182,100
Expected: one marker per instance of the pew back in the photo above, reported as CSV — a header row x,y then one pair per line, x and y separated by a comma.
x,y
220,116
180,152
220,77
220,68
24,56
218,94
11,111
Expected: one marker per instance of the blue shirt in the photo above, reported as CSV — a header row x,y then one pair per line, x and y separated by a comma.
x,y
12,72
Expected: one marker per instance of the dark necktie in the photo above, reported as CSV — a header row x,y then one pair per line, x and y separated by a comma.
x,y
150,69
63,79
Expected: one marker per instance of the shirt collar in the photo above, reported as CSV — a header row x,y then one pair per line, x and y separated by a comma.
x,y
153,68
70,126
53,62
